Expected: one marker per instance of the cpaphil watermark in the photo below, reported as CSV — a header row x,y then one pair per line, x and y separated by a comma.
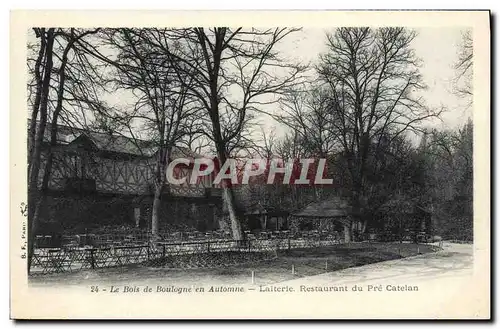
x,y
252,171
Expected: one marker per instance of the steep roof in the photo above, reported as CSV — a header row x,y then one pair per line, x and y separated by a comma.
x,y
114,143
330,208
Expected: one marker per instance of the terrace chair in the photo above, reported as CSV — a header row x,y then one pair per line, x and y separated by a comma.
x,y
76,255
45,263
57,260
87,258
124,255
70,246
103,257
208,235
66,261
173,236
47,239
35,260
129,240
38,239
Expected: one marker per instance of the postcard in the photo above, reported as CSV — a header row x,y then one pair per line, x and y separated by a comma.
x,y
250,165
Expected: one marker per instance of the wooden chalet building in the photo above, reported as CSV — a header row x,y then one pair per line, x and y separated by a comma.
x,y
100,179
327,216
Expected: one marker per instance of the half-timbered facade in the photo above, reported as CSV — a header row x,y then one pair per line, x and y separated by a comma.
x,y
100,179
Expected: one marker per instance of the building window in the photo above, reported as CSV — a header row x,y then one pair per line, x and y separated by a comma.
x,y
80,164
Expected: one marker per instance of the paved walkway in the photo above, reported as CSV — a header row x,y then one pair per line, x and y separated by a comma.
x,y
455,260
440,285
445,289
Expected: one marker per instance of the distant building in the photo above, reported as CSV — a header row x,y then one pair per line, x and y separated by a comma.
x,y
327,216
100,179
407,218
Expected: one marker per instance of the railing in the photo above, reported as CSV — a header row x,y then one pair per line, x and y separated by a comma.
x,y
117,238
68,259
65,260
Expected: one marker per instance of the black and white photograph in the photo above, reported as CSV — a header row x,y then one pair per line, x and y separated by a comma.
x,y
270,164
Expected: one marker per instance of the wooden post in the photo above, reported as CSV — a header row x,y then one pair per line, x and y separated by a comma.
x,y
137,216
326,265
163,252
208,246
92,261
293,269
253,277
289,244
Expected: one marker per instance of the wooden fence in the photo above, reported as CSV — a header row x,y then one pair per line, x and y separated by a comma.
x,y
68,259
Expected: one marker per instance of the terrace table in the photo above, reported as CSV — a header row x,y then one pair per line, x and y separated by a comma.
x,y
54,260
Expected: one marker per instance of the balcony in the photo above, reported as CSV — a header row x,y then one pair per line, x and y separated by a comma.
x,y
80,185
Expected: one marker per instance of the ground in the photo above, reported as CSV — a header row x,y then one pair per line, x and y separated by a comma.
x,y
450,283
288,265
455,260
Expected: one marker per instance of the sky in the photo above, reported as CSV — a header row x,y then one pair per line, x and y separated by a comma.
x,y
437,48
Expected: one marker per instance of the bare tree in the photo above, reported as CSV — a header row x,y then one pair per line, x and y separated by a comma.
x,y
291,146
163,108
234,72
372,77
308,113
52,64
449,160
197,142
43,67
268,143
464,67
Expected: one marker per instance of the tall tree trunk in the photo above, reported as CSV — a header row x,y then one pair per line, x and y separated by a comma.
x,y
38,94
236,229
356,203
35,197
354,219
41,197
35,200
354,227
40,202
155,214
228,194
34,167
160,180
348,232
364,224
